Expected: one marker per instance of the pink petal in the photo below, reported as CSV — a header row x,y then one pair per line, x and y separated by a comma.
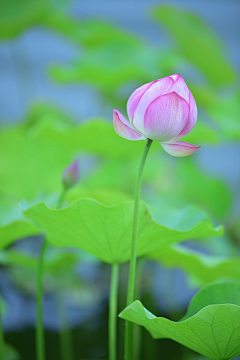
x,y
123,129
135,98
166,117
179,148
175,76
192,117
179,87
158,88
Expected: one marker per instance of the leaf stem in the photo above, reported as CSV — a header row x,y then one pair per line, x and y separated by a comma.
x,y
132,269
66,341
61,197
40,333
40,343
2,346
137,330
112,320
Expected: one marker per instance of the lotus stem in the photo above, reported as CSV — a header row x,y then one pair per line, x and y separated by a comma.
x,y
40,343
112,320
132,269
2,347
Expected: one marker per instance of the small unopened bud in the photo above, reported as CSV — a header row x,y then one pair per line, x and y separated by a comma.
x,y
71,174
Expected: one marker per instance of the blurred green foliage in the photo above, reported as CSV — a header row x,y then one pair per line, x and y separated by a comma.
x,y
198,43
202,268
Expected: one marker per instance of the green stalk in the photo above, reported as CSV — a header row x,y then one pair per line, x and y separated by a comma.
x,y
137,330
112,320
40,333
66,347
132,269
61,197
2,347
40,343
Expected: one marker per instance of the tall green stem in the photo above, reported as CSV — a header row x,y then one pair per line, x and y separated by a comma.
x,y
66,343
1,333
112,320
132,269
137,330
40,333
61,198
40,343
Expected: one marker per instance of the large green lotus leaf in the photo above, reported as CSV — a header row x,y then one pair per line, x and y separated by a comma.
x,y
199,44
13,225
105,232
216,293
214,331
201,267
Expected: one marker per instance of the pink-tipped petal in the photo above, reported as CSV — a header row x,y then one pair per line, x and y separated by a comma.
x,y
165,117
175,76
192,117
180,87
179,148
135,98
123,129
158,88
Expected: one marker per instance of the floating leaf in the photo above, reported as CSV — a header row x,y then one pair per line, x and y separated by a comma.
x,y
105,232
204,268
198,43
211,330
13,225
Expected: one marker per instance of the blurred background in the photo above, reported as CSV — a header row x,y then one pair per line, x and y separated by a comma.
x,y
65,63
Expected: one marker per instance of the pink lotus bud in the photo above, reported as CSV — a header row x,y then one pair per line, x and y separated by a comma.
x,y
163,110
71,174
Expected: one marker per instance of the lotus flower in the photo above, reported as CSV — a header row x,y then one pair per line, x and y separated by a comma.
x,y
163,110
71,174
